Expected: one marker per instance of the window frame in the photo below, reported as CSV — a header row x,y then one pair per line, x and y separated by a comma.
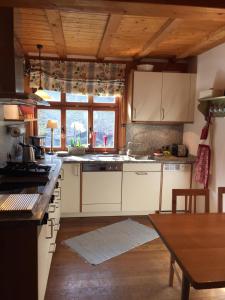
x,y
90,106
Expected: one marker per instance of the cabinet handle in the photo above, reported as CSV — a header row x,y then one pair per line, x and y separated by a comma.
x,y
51,225
52,206
141,173
57,227
62,174
57,193
134,113
163,113
53,246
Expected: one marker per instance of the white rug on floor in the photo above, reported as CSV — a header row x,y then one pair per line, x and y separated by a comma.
x,y
104,243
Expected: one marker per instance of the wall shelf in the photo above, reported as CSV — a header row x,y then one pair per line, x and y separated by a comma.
x,y
215,105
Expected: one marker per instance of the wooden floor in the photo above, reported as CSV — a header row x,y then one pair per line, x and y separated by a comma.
x,y
140,274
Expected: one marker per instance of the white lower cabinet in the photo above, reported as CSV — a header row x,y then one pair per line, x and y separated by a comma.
x,y
47,234
141,187
70,189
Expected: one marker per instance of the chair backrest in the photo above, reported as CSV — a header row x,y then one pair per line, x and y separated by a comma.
x,y
189,195
221,191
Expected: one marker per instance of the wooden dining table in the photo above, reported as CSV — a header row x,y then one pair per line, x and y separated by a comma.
x,y
197,242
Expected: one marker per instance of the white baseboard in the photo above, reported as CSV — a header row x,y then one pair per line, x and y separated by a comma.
x,y
106,214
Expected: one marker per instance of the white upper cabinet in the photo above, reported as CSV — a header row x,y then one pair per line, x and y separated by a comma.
x,y
147,92
162,97
176,97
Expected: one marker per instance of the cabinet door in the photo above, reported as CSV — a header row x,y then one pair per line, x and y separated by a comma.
x,y
140,191
147,92
176,97
70,189
44,260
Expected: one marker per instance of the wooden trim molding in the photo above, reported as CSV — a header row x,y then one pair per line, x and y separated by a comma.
x,y
111,28
209,41
159,36
55,23
198,10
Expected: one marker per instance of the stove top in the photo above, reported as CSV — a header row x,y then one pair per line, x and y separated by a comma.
x,y
25,169
18,175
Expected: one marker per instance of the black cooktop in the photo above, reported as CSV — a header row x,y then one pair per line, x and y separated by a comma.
x,y
25,169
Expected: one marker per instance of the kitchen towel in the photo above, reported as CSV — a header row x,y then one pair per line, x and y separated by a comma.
x,y
202,165
104,243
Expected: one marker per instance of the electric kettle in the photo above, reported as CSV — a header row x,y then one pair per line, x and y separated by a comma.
x,y
28,153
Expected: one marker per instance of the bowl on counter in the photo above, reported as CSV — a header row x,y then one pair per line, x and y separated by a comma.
x,y
145,67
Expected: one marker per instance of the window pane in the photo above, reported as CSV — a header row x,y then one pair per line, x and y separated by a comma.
x,y
104,127
54,95
77,127
43,116
76,98
104,99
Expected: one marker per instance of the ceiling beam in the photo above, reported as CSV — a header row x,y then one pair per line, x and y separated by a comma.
x,y
198,10
110,29
209,41
164,31
55,23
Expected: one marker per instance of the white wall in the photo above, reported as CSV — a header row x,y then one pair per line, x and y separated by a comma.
x,y
211,74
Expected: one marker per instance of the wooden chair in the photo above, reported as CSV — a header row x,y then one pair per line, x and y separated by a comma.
x,y
221,191
189,195
190,198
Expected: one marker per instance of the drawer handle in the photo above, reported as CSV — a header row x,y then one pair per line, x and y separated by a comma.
x,y
57,227
141,173
51,225
62,174
52,248
53,207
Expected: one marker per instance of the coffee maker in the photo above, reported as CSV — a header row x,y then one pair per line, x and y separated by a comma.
x,y
39,143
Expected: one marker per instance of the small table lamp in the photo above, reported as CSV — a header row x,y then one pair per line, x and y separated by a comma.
x,y
52,124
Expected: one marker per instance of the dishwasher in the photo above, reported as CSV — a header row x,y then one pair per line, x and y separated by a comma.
x,y
175,176
101,187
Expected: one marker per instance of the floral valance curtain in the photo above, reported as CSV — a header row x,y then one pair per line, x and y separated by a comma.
x,y
91,78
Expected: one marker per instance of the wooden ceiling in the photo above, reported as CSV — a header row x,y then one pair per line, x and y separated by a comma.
x,y
118,29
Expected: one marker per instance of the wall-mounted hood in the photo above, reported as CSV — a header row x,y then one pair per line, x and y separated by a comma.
x,y
11,67
21,99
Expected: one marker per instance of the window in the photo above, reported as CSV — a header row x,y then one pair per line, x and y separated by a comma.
x,y
102,99
77,127
43,116
54,95
76,98
104,127
82,120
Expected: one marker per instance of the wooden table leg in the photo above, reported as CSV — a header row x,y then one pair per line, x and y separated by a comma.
x,y
185,288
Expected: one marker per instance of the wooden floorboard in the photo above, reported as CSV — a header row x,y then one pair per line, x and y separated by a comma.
x,y
140,274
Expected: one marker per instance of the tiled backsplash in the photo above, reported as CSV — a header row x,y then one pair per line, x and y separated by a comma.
x,y
153,137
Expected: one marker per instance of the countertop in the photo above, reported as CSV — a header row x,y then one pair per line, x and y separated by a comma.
x,y
45,192
89,158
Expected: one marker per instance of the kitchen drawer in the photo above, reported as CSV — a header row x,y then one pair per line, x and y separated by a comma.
x,y
148,167
101,208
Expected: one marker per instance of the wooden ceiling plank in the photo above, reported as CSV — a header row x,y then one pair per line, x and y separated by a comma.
x,y
110,29
209,41
55,23
158,37
19,50
199,9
